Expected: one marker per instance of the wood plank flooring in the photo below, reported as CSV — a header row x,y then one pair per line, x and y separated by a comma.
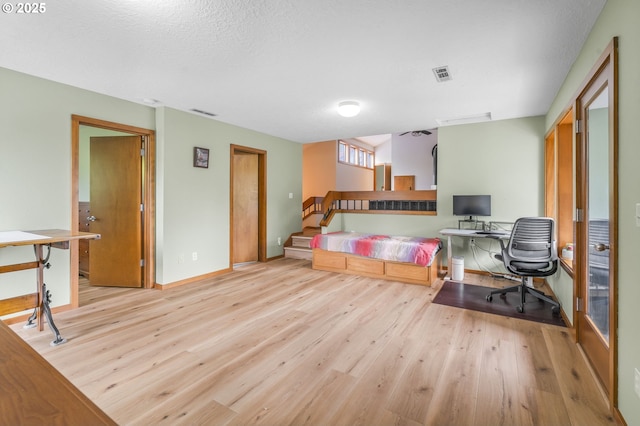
x,y
279,343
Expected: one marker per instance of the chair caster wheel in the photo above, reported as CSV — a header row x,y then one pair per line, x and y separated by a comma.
x,y
520,309
489,298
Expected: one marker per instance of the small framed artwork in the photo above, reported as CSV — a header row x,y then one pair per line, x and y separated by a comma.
x,y
201,157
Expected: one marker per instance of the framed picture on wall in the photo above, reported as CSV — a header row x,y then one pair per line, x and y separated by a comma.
x,y
201,157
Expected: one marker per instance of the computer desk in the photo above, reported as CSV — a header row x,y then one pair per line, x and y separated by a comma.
x,y
468,233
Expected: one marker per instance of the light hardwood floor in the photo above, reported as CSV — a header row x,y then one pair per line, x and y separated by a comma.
x,y
279,343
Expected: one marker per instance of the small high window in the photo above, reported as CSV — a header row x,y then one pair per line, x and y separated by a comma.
x,y
355,155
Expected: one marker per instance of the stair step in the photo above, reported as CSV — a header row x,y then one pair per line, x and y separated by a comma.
x,y
298,253
301,241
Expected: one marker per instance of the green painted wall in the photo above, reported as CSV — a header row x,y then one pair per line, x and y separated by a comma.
x,y
193,203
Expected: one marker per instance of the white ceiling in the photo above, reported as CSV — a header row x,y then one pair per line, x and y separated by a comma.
x,y
281,66
374,140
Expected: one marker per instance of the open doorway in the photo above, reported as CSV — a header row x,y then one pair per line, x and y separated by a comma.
x,y
115,143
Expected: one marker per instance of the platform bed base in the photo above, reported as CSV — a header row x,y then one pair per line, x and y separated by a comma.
x,y
375,268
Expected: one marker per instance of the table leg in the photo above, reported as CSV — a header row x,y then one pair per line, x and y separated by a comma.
x,y
44,297
32,318
47,311
40,282
449,256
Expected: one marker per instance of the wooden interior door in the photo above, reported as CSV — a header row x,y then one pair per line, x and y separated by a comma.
x,y
116,199
404,183
245,207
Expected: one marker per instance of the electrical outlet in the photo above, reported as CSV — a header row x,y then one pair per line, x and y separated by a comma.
x,y
181,258
194,256
637,382
279,241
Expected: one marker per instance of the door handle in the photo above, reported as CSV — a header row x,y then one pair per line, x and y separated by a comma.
x,y
91,218
601,246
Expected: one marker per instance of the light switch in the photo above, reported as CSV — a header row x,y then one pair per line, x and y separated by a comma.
x,y
291,195
638,214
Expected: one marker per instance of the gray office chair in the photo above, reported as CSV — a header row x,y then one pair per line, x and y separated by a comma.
x,y
530,252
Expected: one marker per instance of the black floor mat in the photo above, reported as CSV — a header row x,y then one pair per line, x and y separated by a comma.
x,y
473,297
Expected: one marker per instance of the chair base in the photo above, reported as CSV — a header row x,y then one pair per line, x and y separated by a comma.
x,y
524,289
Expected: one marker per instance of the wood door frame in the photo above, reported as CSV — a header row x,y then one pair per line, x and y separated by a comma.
x,y
262,200
148,196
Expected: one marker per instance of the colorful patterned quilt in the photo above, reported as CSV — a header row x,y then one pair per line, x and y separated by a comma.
x,y
418,250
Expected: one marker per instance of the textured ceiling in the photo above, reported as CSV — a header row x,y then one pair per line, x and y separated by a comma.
x,y
281,66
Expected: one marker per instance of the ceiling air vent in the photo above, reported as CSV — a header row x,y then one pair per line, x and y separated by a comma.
x,y
442,73
199,111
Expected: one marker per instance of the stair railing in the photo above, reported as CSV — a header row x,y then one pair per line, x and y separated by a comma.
x,y
421,202
312,205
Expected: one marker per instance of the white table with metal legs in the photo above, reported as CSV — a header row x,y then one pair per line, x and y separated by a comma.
x,y
468,233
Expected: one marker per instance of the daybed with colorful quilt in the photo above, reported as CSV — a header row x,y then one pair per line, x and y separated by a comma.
x,y
413,260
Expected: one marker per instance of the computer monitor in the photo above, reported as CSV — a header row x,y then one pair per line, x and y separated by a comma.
x,y
472,205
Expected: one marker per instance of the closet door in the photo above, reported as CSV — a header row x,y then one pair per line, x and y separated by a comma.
x,y
248,205
245,208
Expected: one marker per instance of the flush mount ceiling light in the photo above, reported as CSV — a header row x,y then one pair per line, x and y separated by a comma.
x,y
349,108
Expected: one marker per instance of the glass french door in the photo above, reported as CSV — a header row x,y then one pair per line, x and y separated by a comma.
x,y
596,225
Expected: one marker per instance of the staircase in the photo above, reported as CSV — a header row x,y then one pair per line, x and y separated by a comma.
x,y
300,247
